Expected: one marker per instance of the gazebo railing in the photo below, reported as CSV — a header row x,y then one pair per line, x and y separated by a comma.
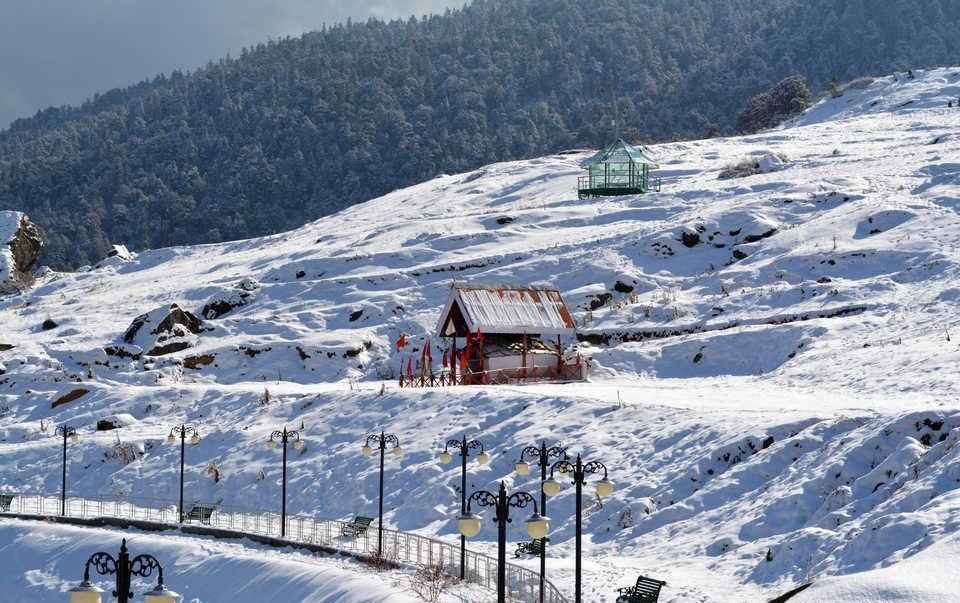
x,y
523,585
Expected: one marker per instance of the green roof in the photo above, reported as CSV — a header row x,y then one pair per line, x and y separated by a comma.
x,y
620,152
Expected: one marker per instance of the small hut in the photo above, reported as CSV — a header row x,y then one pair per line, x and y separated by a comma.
x,y
504,333
620,169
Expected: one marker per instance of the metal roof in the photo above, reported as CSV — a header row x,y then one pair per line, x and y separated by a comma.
x,y
509,309
628,151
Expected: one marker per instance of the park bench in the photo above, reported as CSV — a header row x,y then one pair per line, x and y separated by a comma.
x,y
5,500
534,547
200,513
646,590
356,527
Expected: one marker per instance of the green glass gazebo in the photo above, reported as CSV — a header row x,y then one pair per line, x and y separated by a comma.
x,y
620,169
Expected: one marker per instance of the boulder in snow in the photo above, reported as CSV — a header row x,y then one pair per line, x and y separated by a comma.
x,y
164,331
20,246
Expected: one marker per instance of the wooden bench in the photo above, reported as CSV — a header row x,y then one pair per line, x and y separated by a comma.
x,y
5,501
646,590
199,513
534,547
356,527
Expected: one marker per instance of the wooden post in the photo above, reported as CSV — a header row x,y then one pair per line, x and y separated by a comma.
x,y
559,357
453,361
523,373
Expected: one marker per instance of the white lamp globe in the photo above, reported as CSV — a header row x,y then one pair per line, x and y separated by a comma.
x,y
604,488
521,468
161,594
469,524
171,439
299,445
195,439
367,450
271,444
85,593
75,438
445,457
551,487
538,526
398,452
483,458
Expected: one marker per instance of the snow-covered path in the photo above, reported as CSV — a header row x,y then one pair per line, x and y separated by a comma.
x,y
41,561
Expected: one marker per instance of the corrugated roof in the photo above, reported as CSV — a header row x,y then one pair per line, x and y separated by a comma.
x,y
510,309
635,154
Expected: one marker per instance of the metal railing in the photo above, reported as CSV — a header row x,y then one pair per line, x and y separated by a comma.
x,y
523,585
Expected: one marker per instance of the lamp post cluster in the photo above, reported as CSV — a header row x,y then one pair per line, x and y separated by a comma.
x,y
469,523
124,569
463,447
281,438
542,456
381,441
604,487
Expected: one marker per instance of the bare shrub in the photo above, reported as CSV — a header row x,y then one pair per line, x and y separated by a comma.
x,y
431,581
125,453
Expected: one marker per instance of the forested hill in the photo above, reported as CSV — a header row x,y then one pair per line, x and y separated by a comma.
x,y
298,128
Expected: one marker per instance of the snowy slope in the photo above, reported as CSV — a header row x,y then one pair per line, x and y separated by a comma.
x,y
772,355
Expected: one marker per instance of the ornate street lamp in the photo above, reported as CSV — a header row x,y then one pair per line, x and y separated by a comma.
x,y
124,568
537,525
464,447
68,433
382,441
282,437
604,487
183,430
542,456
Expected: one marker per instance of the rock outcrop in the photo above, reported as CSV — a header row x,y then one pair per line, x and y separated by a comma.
x,y
164,331
20,246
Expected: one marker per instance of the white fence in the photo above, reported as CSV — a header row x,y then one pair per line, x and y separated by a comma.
x,y
523,585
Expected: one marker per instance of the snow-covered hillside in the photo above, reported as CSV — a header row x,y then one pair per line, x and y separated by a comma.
x,y
773,354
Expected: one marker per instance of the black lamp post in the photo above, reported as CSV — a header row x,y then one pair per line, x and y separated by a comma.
x,y
464,447
282,437
68,433
542,455
381,440
124,569
537,525
604,487
183,430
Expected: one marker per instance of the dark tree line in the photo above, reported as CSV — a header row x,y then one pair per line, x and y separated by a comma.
x,y
298,128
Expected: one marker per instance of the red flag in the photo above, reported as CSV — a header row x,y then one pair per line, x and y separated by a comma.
x,y
401,342
445,356
428,353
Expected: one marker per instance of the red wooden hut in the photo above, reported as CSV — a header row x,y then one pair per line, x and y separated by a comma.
x,y
504,333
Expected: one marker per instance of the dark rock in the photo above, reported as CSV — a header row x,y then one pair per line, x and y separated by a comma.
x,y
70,397
301,274
621,287
823,280
600,301
356,315
6,346
690,239
169,348
25,242
106,425
740,255
122,352
759,237
195,362
49,324
504,220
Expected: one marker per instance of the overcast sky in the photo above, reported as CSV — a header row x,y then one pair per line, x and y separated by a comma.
x,y
55,52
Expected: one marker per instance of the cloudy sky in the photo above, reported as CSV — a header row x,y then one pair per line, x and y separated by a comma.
x,y
55,52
